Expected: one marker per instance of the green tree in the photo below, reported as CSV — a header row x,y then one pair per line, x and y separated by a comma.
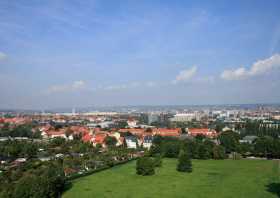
x,y
157,161
203,152
219,152
110,141
145,166
184,162
229,140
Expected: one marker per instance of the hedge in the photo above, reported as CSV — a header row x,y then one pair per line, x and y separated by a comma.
x,y
105,167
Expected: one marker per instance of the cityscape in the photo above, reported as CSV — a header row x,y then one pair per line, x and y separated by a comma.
x,y
139,99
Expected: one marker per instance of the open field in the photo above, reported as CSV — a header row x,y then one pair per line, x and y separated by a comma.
x,y
210,179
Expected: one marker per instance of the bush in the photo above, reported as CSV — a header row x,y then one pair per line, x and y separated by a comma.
x,y
184,162
219,152
157,161
203,152
145,166
171,149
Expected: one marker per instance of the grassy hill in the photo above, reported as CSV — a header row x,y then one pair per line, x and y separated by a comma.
x,y
210,179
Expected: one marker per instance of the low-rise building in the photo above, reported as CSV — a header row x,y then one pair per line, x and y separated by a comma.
x,y
203,131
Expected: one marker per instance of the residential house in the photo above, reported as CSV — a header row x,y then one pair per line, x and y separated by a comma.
x,y
147,141
131,141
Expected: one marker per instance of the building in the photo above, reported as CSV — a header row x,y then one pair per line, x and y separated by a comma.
x,y
147,141
176,132
131,141
54,134
183,117
153,118
134,131
131,123
203,131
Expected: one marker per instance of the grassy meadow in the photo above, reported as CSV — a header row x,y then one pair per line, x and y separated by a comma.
x,y
209,179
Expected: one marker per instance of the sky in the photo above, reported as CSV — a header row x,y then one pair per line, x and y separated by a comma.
x,y
56,54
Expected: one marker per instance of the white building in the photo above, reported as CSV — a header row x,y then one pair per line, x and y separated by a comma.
x,y
132,123
148,142
183,117
131,142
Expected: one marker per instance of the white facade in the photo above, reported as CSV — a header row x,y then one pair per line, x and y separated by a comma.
x,y
147,145
183,117
132,123
130,143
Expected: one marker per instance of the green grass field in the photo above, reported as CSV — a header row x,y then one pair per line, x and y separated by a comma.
x,y
209,179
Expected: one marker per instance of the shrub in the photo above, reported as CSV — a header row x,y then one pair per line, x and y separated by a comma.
x,y
157,161
145,166
219,152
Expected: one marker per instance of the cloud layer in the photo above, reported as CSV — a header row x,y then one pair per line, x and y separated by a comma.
x,y
3,56
75,86
258,68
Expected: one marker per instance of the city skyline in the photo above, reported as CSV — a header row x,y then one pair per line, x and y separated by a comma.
x,y
92,53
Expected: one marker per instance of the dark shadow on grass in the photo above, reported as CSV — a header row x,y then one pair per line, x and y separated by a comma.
x,y
274,188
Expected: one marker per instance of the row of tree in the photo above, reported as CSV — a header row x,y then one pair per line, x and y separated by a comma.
x,y
24,130
259,128
199,148
146,165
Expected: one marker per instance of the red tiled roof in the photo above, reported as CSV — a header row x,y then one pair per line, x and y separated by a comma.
x,y
53,132
134,131
79,130
167,132
99,138
87,137
203,131
15,120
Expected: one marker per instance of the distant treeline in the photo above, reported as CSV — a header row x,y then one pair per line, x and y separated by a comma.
x,y
259,128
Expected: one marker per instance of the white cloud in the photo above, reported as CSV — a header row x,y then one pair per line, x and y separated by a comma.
x,y
129,85
3,56
185,75
78,84
75,86
116,87
151,84
258,68
236,74
123,86
206,79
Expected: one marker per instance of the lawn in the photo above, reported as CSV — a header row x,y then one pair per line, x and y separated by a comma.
x,y
210,179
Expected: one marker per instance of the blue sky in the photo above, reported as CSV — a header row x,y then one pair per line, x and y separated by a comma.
x,y
85,53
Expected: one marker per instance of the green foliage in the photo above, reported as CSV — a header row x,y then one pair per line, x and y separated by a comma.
x,y
145,166
45,181
110,141
184,162
229,140
155,150
267,147
259,128
157,161
58,141
171,149
219,152
203,152
23,130
14,149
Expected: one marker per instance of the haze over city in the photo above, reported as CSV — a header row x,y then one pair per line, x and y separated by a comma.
x,y
83,53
